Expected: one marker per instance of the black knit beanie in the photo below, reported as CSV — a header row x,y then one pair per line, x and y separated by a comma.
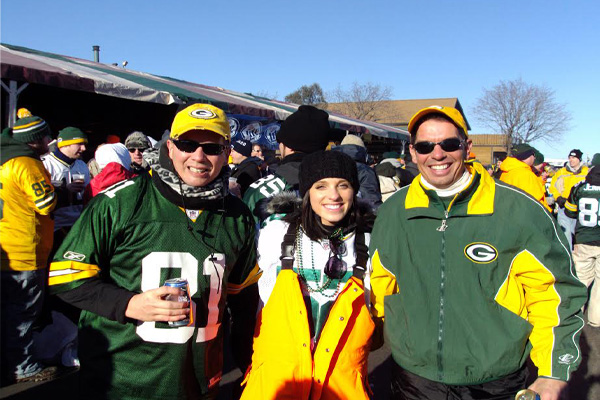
x,y
576,153
327,164
306,130
523,151
30,129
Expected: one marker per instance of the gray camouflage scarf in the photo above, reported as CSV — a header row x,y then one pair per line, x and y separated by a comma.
x,y
169,183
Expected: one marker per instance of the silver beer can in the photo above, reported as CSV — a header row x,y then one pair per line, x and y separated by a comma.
x,y
180,283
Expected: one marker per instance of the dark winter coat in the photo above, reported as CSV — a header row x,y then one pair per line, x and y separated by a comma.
x,y
247,172
369,183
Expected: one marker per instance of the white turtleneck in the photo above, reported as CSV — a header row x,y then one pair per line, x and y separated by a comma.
x,y
456,187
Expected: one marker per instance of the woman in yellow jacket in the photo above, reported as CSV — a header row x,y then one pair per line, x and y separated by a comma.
x,y
313,334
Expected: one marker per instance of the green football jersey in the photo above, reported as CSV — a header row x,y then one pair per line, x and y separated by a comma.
x,y
263,189
132,236
583,205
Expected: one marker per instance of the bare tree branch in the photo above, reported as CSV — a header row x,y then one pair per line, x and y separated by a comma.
x,y
522,112
311,95
266,94
361,101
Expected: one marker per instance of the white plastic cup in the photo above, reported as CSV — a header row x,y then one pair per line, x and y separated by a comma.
x,y
77,178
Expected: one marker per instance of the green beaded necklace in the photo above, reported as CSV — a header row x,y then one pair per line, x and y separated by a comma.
x,y
325,286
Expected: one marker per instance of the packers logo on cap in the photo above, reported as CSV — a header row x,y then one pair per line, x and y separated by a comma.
x,y
201,117
203,113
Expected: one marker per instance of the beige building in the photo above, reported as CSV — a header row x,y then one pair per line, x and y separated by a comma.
x,y
488,147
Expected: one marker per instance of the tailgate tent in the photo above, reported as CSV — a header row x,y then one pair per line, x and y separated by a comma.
x,y
105,99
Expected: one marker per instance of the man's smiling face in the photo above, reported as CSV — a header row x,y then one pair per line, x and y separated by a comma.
x,y
198,168
440,168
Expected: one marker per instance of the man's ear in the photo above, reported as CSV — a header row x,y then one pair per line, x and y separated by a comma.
x,y
468,148
412,152
170,146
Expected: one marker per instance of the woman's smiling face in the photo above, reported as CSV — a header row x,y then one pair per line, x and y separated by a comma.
x,y
331,199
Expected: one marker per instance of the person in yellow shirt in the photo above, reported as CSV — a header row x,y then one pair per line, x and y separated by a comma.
x,y
560,187
517,170
26,200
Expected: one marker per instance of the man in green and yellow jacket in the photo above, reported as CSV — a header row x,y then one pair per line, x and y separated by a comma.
x,y
26,200
472,277
560,186
517,170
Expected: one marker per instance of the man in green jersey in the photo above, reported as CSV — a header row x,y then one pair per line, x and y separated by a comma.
x,y
176,222
472,276
583,205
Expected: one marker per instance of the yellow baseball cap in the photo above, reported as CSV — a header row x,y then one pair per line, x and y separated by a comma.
x,y
450,112
203,117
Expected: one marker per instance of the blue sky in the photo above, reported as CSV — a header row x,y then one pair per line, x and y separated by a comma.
x,y
421,49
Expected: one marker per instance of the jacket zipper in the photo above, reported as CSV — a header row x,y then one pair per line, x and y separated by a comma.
x,y
442,229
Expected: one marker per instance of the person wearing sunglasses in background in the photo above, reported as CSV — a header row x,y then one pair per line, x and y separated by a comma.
x,y
257,151
178,221
313,334
472,276
137,143
246,168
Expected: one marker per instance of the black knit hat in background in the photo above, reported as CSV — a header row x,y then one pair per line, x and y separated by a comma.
x,y
576,153
244,147
523,151
30,129
327,164
306,130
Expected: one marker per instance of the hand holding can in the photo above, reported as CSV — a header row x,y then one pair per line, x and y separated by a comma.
x,y
527,394
181,284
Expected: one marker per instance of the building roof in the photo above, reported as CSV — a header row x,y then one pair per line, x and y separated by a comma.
x,y
398,112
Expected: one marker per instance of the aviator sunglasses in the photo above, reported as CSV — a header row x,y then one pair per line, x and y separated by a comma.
x,y
452,144
189,146
335,267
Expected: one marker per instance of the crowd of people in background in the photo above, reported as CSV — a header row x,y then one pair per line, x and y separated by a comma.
x,y
317,251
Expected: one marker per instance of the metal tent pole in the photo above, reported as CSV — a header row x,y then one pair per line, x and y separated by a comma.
x,y
13,94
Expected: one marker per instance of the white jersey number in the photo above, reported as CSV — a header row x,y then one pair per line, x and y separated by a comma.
x,y
588,212
151,266
269,186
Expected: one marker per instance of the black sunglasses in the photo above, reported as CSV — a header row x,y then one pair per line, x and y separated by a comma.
x,y
335,267
452,144
189,146
133,149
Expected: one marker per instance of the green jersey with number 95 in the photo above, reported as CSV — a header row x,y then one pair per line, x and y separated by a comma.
x,y
584,205
133,237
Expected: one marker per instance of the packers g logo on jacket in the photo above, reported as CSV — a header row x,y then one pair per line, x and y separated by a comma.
x,y
481,253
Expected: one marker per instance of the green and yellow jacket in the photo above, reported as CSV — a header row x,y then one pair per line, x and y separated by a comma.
x,y
564,179
469,287
26,200
517,173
